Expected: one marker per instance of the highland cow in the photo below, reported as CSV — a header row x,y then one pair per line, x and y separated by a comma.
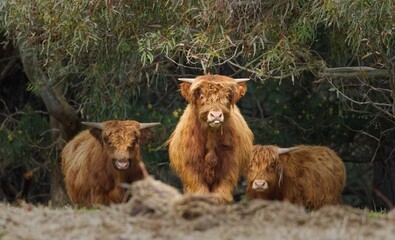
x,y
97,161
211,145
311,176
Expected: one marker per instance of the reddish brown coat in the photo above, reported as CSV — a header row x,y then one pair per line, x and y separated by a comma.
x,y
311,176
211,145
97,161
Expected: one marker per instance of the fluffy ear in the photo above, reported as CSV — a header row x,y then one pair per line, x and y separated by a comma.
x,y
241,90
185,91
146,135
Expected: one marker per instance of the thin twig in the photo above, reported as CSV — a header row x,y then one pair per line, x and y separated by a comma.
x,y
383,198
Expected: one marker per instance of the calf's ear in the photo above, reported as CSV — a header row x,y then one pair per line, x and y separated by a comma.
x,y
146,135
241,90
185,91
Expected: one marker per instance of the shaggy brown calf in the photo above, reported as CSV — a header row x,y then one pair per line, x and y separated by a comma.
x,y
311,176
211,145
97,161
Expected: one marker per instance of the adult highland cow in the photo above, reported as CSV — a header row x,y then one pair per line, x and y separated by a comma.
x,y
311,176
211,145
97,161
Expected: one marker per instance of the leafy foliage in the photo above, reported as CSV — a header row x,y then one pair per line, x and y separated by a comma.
x,y
90,45
26,146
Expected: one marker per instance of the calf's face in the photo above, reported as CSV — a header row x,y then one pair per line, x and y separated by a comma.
x,y
121,140
123,145
264,172
263,175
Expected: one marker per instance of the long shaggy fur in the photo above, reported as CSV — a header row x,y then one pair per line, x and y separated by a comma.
x,y
311,176
87,162
211,160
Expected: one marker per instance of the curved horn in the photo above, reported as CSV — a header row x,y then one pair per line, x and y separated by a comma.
x,y
190,80
147,125
239,80
286,150
93,124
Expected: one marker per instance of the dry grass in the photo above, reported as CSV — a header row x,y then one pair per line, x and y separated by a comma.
x,y
158,211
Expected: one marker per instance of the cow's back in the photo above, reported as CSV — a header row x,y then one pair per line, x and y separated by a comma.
x,y
319,173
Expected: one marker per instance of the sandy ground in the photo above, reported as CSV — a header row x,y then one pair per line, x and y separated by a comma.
x,y
158,211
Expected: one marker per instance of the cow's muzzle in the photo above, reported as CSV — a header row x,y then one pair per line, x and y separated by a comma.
x,y
260,185
121,164
215,118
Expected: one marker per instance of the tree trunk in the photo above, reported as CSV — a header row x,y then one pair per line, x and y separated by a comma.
x,y
58,190
63,118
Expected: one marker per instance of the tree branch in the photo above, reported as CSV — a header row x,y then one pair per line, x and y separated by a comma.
x,y
7,68
352,72
56,105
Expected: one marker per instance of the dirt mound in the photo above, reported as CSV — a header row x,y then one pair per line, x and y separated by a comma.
x,y
156,210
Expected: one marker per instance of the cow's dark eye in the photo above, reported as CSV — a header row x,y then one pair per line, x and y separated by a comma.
x,y
198,94
272,166
229,97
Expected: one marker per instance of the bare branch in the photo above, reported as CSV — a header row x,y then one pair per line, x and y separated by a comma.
x,y
56,105
352,72
7,68
383,198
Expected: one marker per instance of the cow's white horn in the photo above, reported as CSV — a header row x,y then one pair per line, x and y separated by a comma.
x,y
239,80
93,124
286,150
190,80
147,125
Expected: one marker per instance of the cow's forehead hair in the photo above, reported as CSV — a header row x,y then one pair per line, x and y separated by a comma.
x,y
214,85
121,133
215,78
264,155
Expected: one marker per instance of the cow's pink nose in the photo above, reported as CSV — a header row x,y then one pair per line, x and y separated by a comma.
x,y
215,116
260,184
